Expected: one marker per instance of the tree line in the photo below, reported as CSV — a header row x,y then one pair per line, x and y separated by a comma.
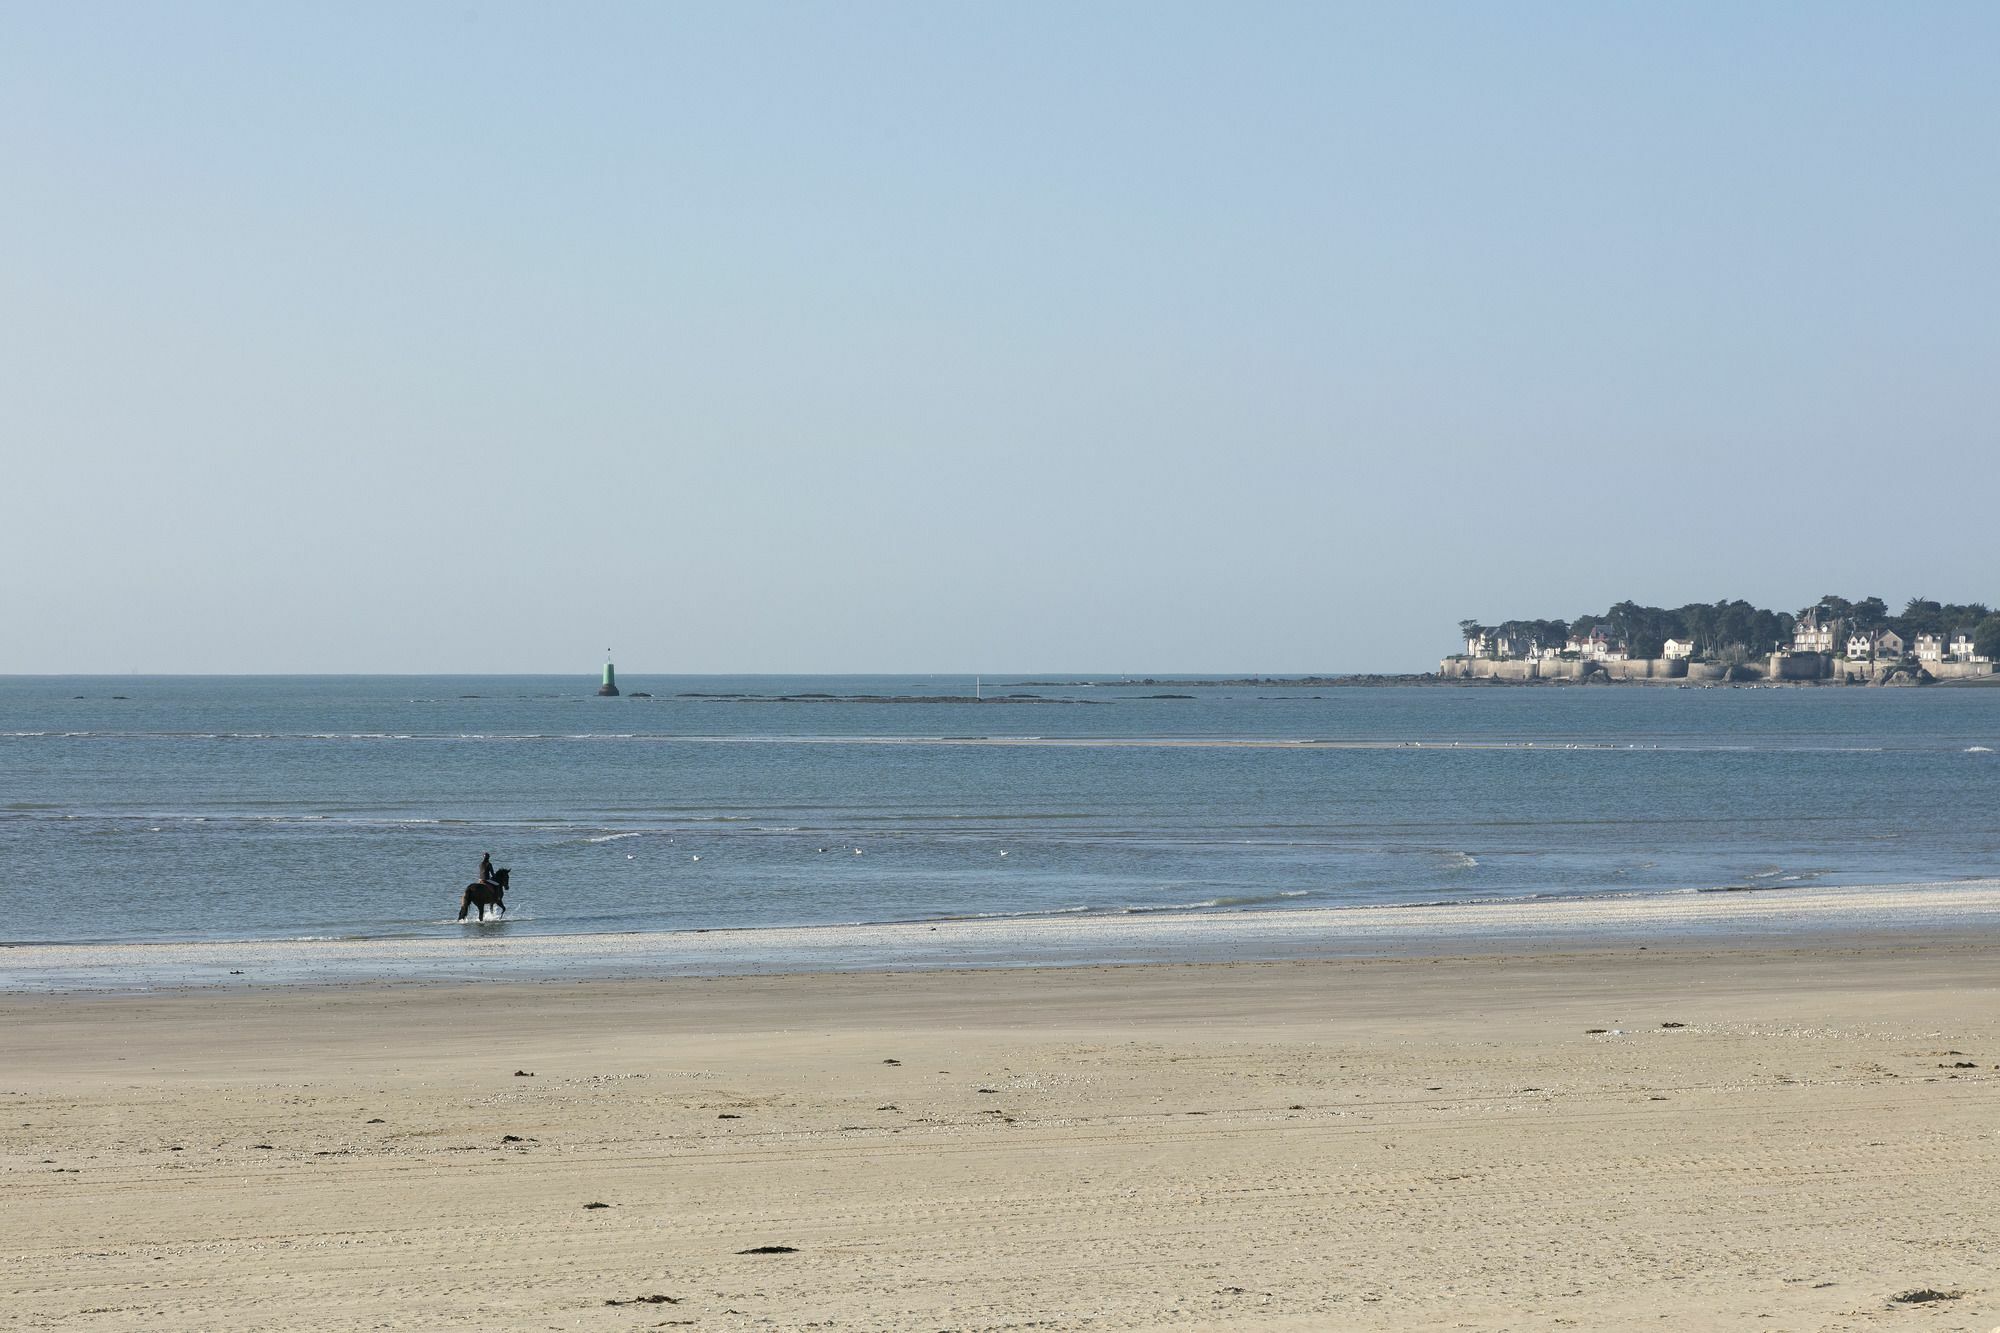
x,y
1737,631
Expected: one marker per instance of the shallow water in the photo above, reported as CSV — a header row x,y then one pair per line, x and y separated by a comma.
x,y
356,808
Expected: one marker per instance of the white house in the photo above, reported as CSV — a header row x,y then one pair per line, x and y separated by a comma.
x,y
1479,645
1597,646
1810,635
1930,647
1962,649
1859,647
1681,649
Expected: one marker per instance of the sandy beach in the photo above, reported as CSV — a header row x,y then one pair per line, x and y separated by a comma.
x,y
1600,1139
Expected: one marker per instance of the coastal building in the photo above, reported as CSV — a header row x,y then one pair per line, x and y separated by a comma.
x,y
1506,645
1596,646
1962,649
1812,635
1889,645
1479,645
1860,647
1678,649
1930,647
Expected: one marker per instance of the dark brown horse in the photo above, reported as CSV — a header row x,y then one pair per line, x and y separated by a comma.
x,y
486,893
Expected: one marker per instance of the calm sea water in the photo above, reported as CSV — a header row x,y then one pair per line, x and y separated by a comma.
x,y
356,807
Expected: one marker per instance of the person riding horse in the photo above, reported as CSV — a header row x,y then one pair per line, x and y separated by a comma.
x,y
486,867
489,892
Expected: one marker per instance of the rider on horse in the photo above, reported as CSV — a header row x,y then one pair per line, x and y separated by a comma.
x,y
490,891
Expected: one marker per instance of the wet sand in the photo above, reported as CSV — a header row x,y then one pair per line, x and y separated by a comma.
x,y
1769,1138
510,948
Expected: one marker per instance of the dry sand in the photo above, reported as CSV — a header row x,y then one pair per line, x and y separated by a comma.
x,y
1393,1144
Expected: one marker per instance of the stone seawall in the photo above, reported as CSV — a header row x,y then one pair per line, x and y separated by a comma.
x,y
1647,668
1800,666
1860,671
1518,670
1506,670
1521,670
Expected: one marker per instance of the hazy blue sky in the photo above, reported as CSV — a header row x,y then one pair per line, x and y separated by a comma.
x,y
476,337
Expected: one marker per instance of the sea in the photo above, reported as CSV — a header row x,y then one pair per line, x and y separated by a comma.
x,y
356,808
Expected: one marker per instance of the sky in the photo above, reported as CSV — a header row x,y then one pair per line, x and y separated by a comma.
x,y
950,338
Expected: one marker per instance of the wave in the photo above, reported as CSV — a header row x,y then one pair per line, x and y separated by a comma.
x,y
1224,900
611,837
105,822
1545,745
1022,915
1087,909
1979,749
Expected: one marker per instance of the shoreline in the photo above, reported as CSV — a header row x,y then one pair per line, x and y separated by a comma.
x,y
1705,917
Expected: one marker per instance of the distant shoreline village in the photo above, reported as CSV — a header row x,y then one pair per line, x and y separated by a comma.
x,y
1833,641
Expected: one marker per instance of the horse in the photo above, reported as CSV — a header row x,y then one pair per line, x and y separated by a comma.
x,y
486,893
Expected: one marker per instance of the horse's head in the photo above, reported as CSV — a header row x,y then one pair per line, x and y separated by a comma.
x,y
500,878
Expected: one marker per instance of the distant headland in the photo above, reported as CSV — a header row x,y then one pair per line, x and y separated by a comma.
x,y
1833,640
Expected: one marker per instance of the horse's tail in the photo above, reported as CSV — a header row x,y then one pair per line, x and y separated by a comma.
x,y
464,903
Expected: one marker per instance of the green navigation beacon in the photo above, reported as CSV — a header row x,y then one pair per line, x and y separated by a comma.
x,y
609,689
